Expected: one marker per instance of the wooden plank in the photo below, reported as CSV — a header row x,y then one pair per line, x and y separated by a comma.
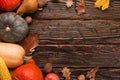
x,y
80,59
115,41
78,55
60,11
75,29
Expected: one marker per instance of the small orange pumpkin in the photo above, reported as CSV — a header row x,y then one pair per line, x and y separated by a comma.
x,y
29,71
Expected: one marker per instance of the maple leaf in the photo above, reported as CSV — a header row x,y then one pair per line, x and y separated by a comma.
x,y
69,3
80,7
30,42
66,73
92,73
103,4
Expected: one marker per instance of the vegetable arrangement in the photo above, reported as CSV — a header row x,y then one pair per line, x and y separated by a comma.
x,y
14,28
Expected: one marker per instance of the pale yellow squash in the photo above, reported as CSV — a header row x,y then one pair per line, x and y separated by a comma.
x,y
12,54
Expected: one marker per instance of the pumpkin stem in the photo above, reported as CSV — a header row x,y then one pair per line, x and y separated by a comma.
x,y
27,59
7,29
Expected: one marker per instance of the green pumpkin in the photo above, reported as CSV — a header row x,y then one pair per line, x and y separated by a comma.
x,y
13,28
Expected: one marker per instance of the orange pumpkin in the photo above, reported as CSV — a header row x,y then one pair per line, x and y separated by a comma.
x,y
29,71
9,5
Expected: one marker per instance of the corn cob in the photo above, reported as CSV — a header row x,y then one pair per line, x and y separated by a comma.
x,y
4,72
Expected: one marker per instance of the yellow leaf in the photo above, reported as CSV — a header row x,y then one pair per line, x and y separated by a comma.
x,y
103,4
98,3
106,5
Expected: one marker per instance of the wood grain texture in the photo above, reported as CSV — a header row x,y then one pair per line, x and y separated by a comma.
x,y
76,30
79,42
80,59
60,11
104,41
79,55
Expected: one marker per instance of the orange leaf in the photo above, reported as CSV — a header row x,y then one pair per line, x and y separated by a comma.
x,y
66,73
80,7
69,3
92,73
30,43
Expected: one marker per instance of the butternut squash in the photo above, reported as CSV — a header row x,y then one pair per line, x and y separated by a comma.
x,y
12,54
4,72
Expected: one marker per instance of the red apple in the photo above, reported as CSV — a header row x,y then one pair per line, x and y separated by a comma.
x,y
9,5
51,76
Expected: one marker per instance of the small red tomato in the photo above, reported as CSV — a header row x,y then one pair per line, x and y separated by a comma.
x,y
52,76
9,5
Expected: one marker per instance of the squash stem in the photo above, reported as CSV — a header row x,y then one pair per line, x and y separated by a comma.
x,y
27,59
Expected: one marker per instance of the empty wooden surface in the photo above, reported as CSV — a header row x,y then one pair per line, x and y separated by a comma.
x,y
79,42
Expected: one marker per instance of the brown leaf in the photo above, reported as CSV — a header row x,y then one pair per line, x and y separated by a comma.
x,y
30,43
66,73
42,3
80,7
48,67
92,73
69,3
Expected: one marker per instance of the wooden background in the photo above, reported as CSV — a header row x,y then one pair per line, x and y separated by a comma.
x,y
79,42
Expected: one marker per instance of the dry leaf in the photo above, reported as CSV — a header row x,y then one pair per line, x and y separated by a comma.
x,y
66,73
103,4
42,3
48,67
81,77
30,43
69,3
92,73
80,7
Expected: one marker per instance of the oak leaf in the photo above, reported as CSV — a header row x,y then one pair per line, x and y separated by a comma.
x,y
66,73
80,7
30,42
69,3
92,73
